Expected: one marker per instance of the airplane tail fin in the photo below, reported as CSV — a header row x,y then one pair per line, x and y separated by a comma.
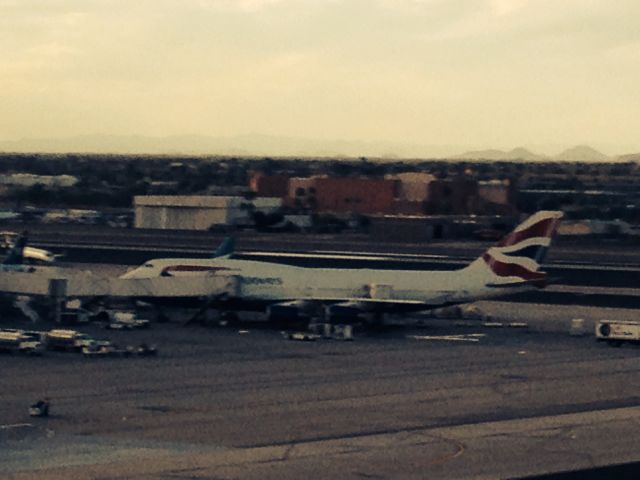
x,y
225,248
15,255
516,259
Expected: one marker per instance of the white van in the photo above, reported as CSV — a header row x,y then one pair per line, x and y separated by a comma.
x,y
615,332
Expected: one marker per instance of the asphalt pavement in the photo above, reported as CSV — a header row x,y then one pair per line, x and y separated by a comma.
x,y
436,402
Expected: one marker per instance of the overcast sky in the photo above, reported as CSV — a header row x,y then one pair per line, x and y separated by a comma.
x,y
474,73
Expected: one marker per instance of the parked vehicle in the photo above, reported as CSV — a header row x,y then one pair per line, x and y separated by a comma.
x,y
302,336
67,340
17,341
40,408
73,316
104,348
98,348
145,350
126,321
616,332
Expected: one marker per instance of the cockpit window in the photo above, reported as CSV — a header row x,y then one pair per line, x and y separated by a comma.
x,y
148,265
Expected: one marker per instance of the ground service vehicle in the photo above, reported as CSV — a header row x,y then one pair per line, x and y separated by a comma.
x,y
126,321
16,341
40,408
66,340
98,348
615,332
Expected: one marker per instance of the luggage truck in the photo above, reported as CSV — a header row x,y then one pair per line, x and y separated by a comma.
x,y
616,332
19,342
67,340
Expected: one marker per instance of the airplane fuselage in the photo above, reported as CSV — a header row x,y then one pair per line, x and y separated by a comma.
x,y
272,282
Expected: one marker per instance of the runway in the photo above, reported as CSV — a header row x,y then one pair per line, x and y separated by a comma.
x,y
223,403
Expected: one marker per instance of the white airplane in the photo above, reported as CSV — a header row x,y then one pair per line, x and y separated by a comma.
x,y
285,291
27,255
14,261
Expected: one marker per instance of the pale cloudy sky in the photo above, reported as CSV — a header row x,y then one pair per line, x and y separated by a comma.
x,y
474,73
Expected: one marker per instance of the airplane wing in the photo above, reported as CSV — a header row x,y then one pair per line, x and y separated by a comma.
x,y
353,306
540,283
378,305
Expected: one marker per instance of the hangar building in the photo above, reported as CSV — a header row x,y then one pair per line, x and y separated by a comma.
x,y
197,212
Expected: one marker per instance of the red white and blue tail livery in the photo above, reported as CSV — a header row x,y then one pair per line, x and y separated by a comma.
x,y
517,257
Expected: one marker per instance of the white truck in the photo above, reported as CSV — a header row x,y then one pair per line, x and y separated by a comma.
x,y
59,339
124,320
17,341
616,332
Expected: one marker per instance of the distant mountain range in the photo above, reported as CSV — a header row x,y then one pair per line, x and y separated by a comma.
x,y
493,154
241,145
268,145
580,153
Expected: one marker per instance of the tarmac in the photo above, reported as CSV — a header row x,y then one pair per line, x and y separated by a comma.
x,y
441,402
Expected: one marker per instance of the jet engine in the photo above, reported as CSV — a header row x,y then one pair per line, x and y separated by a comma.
x,y
343,313
287,314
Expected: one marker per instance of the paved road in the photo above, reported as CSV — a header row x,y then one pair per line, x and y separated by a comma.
x,y
223,404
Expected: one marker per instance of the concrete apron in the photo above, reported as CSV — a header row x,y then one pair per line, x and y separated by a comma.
x,y
554,318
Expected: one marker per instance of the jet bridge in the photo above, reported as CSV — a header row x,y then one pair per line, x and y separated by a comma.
x,y
89,285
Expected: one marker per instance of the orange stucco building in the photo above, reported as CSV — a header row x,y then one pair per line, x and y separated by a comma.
x,y
344,194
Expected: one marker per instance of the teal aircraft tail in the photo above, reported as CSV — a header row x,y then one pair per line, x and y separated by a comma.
x,y
226,248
